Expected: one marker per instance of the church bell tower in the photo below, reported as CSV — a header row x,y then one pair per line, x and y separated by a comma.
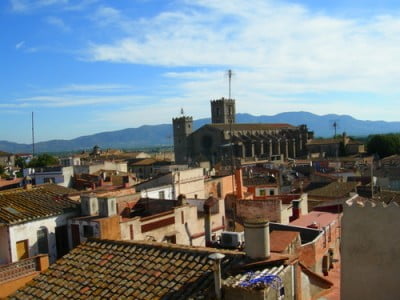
x,y
223,111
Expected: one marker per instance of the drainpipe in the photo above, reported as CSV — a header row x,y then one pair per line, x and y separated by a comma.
x,y
216,258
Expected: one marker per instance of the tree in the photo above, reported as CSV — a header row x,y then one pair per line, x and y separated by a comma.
x,y
384,144
2,169
43,160
20,162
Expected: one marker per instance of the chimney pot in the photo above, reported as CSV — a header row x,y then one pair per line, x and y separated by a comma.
x,y
256,238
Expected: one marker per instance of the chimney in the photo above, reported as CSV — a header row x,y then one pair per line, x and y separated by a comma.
x,y
239,183
296,210
210,202
182,200
216,258
107,207
256,238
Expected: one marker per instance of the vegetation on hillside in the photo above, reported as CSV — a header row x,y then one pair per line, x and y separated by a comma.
x,y
384,144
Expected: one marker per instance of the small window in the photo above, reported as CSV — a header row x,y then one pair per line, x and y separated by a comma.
x,y
161,195
42,241
88,231
131,231
271,192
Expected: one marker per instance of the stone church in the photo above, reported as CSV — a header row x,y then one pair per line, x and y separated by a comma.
x,y
224,138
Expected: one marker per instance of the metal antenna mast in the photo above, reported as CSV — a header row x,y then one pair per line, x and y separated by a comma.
x,y
335,126
230,79
33,137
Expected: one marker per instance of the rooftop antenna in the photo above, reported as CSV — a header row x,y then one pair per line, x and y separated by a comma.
x,y
33,137
230,74
335,125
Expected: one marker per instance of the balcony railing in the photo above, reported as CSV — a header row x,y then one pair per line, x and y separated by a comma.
x,y
19,269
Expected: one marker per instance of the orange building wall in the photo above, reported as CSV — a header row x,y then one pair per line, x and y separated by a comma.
x,y
109,228
9,287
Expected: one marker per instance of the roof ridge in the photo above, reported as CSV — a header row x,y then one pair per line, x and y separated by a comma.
x,y
169,246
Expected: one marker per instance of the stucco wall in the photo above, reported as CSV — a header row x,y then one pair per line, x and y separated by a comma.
x,y
29,231
370,252
188,227
154,193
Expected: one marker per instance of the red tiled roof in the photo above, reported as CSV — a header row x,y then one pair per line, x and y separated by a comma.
x,y
334,190
322,219
280,240
4,183
252,126
128,270
20,205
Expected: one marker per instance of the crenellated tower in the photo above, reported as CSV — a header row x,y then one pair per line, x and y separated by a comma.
x,y
182,127
223,111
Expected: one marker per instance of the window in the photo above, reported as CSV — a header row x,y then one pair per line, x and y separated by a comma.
x,y
217,111
88,231
42,240
131,231
161,195
271,192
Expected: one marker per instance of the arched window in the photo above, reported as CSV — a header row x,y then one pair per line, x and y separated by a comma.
x,y
42,240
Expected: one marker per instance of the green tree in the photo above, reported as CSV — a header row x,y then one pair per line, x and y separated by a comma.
x,y
20,162
43,160
2,170
384,144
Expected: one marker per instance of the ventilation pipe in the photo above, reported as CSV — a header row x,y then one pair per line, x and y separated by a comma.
x,y
217,258
210,202
256,238
239,183
296,210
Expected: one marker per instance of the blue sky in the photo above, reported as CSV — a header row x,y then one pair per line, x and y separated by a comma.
x,y
90,66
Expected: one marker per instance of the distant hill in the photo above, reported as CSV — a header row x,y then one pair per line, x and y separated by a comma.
x,y
159,135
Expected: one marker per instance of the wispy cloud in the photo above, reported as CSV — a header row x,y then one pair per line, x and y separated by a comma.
x,y
58,22
282,47
25,6
19,45
75,95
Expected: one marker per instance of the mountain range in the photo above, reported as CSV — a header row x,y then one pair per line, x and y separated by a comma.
x,y
161,135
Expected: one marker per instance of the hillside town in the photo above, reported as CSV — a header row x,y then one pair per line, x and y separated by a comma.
x,y
235,211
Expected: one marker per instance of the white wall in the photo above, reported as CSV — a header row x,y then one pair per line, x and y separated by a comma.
x,y
154,192
29,230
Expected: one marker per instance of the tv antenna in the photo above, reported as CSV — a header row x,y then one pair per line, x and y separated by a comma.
x,y
335,126
229,73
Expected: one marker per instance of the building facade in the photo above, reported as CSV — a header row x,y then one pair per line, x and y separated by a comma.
x,y
224,139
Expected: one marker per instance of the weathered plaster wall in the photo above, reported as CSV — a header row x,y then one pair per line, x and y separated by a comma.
x,y
370,251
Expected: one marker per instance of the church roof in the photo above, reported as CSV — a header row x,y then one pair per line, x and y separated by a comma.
x,y
252,126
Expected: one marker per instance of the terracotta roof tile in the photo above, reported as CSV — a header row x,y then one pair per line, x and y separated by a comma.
x,y
131,271
280,240
20,205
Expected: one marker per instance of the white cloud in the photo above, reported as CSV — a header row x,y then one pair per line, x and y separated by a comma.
x,y
283,48
58,22
25,6
76,95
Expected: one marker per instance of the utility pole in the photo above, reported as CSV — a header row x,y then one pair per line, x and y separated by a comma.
x,y
33,137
